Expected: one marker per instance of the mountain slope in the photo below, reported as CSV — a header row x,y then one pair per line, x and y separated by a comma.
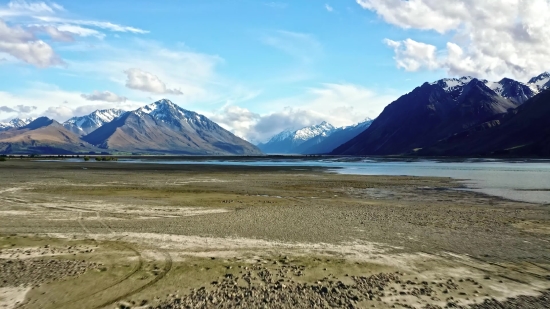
x,y
336,138
43,135
164,127
86,124
433,112
288,142
524,131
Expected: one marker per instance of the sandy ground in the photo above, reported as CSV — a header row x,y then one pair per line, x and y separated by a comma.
x,y
185,226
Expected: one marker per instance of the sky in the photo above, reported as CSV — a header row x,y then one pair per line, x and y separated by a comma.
x,y
257,67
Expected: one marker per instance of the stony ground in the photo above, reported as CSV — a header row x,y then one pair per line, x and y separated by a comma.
x,y
217,237
39,271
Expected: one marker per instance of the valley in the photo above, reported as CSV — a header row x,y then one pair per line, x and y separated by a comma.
x,y
171,236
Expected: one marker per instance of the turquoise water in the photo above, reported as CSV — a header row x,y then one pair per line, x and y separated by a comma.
x,y
522,180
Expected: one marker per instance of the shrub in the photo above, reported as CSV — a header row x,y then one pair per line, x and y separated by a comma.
x,y
86,158
98,158
2,159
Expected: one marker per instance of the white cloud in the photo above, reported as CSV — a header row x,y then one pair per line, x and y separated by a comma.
x,y
148,82
22,45
59,104
105,96
55,34
338,104
92,23
328,7
193,74
18,109
489,39
34,7
412,56
80,31
59,112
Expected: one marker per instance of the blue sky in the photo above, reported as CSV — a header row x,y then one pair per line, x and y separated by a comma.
x,y
256,67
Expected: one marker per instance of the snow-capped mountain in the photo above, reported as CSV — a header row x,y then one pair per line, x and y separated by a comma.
x,y
86,124
168,112
287,141
16,123
441,110
507,88
339,136
164,127
540,83
307,133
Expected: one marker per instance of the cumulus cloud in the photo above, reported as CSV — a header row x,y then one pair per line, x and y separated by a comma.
x,y
258,128
105,96
6,109
338,104
489,39
148,82
19,111
412,56
328,7
59,112
23,45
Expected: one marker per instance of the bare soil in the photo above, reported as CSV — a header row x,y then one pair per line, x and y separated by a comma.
x,y
194,236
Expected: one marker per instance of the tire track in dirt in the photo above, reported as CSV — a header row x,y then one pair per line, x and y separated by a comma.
x,y
136,269
168,262
167,267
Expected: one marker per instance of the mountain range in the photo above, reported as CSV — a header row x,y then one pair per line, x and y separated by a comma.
x,y
15,123
162,127
421,121
450,117
316,139
167,128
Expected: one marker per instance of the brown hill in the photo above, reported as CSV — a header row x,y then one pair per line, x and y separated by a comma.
x,y
44,136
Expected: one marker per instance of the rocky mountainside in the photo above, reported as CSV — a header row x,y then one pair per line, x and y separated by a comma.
x,y
435,111
42,136
524,131
87,124
288,142
164,127
15,123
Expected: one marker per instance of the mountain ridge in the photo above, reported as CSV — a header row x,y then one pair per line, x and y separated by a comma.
x,y
167,128
435,111
86,124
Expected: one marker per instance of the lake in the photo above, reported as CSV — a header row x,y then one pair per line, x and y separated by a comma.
x,y
522,180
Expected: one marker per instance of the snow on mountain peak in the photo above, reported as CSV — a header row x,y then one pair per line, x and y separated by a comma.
x,y
16,123
166,111
310,132
95,119
452,84
540,82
